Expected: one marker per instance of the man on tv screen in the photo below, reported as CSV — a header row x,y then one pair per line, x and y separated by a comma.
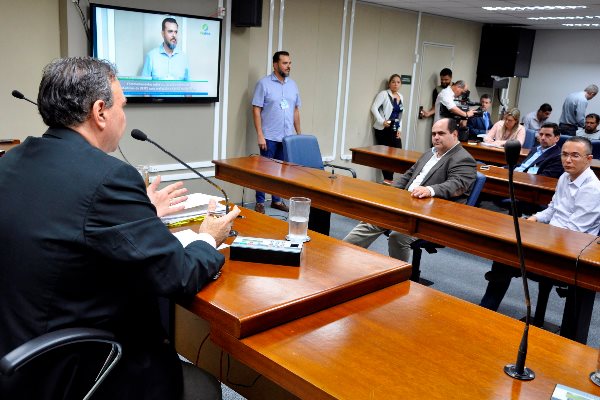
x,y
167,62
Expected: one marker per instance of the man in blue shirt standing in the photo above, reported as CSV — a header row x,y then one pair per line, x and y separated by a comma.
x,y
167,62
573,110
276,114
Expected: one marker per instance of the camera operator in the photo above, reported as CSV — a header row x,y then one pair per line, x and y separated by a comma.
x,y
480,124
446,107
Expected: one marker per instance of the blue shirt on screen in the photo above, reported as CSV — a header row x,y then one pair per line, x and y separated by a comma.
x,y
278,102
160,65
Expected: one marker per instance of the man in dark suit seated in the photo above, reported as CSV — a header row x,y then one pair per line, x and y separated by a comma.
x,y
85,247
544,159
480,125
447,171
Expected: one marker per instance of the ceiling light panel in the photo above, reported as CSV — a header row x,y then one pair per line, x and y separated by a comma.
x,y
534,8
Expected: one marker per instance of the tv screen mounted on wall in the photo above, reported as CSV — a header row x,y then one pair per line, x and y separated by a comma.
x,y
177,64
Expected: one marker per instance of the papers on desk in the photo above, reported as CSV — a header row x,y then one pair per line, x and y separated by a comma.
x,y
187,236
491,145
196,206
562,392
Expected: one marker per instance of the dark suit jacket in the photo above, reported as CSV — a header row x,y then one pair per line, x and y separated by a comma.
x,y
451,178
477,125
549,163
83,247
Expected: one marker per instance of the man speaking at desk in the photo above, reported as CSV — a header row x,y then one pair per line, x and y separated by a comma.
x,y
447,171
86,248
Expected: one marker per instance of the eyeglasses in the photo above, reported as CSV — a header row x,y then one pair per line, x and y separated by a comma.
x,y
574,156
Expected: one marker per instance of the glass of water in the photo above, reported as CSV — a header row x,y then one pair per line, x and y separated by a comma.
x,y
144,171
298,219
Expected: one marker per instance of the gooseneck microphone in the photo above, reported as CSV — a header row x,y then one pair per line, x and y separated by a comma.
x,y
512,149
139,135
21,96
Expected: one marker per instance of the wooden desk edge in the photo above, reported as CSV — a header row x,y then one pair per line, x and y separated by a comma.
x,y
297,308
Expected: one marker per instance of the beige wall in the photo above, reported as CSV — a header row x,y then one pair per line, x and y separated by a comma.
x,y
29,38
383,44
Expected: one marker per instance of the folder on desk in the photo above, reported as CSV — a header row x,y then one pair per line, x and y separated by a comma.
x,y
196,205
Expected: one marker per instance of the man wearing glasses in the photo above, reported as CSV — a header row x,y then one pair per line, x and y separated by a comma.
x,y
574,206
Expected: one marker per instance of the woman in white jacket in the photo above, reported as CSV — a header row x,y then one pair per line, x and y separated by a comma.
x,y
387,111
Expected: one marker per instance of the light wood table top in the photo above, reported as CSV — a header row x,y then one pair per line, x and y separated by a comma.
x,y
251,297
489,154
530,188
549,251
408,341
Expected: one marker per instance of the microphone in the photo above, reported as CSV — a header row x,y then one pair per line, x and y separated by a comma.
x,y
21,96
139,135
512,148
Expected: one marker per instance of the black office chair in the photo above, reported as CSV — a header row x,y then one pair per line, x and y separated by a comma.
x,y
65,364
529,141
421,244
304,150
596,148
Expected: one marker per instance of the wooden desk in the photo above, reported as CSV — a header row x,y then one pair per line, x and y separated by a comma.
x,y
251,297
549,251
490,155
7,146
408,341
596,167
530,188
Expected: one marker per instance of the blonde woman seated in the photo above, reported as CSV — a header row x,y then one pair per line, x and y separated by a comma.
x,y
506,129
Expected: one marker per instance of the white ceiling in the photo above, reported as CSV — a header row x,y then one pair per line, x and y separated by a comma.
x,y
472,10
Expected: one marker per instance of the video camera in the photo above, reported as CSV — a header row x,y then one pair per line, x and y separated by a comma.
x,y
464,103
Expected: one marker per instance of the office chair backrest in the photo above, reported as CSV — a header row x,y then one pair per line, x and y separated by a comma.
x,y
596,148
476,190
303,150
69,363
529,138
562,140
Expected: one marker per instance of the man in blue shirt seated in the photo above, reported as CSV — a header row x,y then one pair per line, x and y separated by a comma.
x,y
167,62
535,119
590,130
574,206
480,125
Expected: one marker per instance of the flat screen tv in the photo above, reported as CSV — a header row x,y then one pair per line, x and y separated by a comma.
x,y
177,64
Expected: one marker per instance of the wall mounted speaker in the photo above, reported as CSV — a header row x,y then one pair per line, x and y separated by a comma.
x,y
504,51
246,13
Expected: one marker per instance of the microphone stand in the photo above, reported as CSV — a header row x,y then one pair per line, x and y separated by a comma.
x,y
518,370
232,232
